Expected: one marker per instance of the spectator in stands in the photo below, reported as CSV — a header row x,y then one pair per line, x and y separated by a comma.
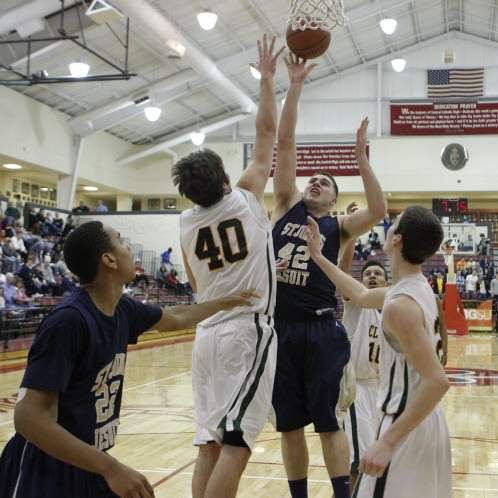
x,y
460,282
483,293
21,298
9,290
162,273
173,283
461,264
471,285
101,207
140,275
26,274
2,299
166,257
12,212
68,227
374,240
58,222
82,208
483,246
358,249
440,285
387,224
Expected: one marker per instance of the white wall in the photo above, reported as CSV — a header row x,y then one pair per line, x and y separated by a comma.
x,y
156,232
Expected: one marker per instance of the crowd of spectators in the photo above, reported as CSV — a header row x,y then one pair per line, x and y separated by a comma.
x,y
31,261
474,279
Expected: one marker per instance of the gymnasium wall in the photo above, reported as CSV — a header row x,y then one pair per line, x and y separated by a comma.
x,y
156,232
330,110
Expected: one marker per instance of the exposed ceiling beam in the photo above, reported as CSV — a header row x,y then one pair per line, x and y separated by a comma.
x,y
125,107
184,136
162,28
37,9
492,20
416,24
461,15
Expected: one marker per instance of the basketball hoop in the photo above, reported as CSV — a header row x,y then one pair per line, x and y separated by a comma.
x,y
316,14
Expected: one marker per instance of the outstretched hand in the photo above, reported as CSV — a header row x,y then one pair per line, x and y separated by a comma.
x,y
267,64
361,141
297,68
352,208
242,298
314,238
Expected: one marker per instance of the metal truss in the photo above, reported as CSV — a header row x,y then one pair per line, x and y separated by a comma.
x,y
28,78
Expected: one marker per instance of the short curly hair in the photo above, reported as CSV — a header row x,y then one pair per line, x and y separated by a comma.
x,y
84,248
201,177
421,232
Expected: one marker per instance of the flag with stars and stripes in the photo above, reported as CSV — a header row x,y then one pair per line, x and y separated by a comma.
x,y
455,83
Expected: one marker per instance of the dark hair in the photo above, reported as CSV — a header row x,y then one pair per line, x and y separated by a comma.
x,y
373,262
83,249
328,175
421,232
200,177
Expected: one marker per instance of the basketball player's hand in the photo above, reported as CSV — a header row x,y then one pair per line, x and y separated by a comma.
x,y
297,68
314,238
128,483
376,458
361,141
281,265
267,59
352,208
243,298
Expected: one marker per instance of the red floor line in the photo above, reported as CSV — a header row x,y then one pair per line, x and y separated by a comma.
x,y
173,474
160,343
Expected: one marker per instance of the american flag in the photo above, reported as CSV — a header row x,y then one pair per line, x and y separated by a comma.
x,y
455,83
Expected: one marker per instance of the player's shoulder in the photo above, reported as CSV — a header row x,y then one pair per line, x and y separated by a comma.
x,y
402,311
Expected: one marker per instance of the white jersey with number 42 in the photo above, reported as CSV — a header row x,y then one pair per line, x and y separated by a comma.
x,y
229,248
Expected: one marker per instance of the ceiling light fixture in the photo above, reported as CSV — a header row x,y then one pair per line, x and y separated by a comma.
x,y
153,113
197,137
44,189
12,166
398,65
89,188
388,26
255,73
176,46
79,69
207,19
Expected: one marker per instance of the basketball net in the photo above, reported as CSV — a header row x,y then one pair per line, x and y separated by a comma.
x,y
449,261
316,14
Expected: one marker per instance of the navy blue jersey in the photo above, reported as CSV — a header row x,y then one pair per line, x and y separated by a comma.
x,y
81,353
303,288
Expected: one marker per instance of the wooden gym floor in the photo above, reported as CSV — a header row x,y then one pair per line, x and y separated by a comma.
x,y
156,429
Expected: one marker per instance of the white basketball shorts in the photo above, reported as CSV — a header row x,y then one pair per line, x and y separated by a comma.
x,y
233,369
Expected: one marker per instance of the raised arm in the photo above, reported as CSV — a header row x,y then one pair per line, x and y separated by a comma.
x,y
403,319
285,190
346,253
256,174
364,219
358,294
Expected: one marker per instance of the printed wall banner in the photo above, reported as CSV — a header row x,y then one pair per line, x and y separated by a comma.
x,y
337,159
449,118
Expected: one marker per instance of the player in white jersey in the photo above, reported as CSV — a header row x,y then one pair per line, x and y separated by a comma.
x,y
411,457
364,328
227,244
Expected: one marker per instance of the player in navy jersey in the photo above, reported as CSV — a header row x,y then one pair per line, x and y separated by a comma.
x,y
67,414
313,348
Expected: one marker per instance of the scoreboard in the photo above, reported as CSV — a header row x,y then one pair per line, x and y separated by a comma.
x,y
448,207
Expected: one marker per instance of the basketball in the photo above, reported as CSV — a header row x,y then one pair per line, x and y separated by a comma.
x,y
308,43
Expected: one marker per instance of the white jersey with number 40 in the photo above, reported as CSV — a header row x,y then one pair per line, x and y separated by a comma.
x,y
229,248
